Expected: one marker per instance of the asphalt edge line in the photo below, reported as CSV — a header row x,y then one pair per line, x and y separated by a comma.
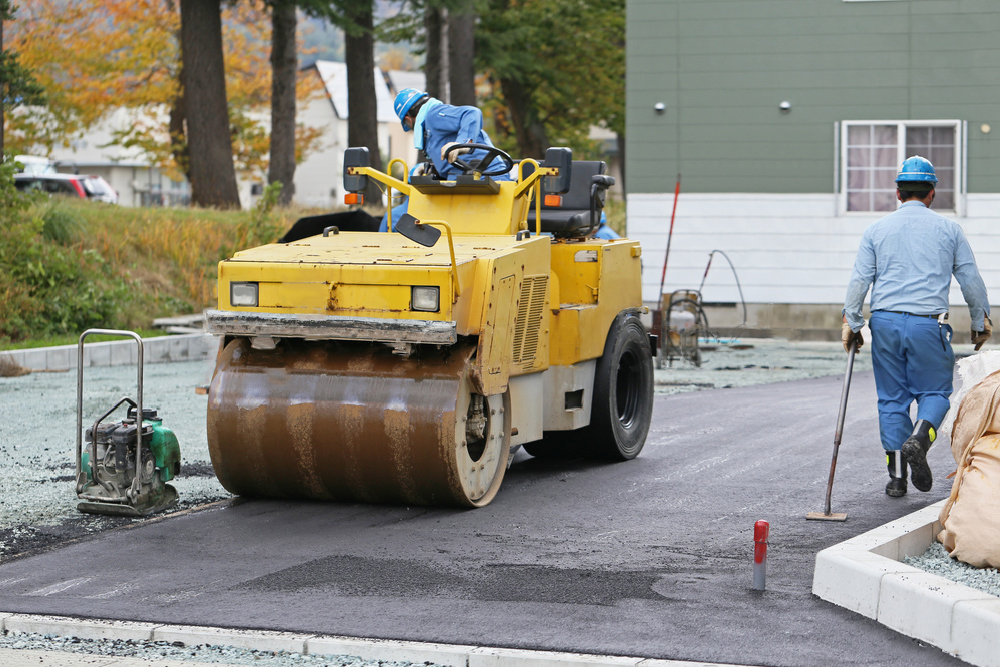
x,y
866,575
138,522
449,655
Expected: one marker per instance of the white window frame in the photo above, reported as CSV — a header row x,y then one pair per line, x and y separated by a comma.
x,y
961,138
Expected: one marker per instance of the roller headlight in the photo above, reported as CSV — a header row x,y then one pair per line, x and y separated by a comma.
x,y
425,298
243,294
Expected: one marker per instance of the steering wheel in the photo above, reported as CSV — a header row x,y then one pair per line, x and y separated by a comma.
x,y
492,152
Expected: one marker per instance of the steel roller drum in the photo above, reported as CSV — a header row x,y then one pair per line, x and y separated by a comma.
x,y
348,421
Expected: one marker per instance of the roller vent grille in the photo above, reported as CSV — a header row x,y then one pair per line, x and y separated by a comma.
x,y
529,320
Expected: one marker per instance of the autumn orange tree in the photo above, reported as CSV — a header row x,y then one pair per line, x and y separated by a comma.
x,y
95,56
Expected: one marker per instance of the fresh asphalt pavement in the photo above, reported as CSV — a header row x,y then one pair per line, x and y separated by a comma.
x,y
651,557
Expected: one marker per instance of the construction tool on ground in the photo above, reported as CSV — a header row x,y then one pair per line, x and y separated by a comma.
x,y
408,366
826,514
126,465
684,323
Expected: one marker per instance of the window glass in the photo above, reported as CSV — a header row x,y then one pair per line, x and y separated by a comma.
x,y
871,157
873,152
937,144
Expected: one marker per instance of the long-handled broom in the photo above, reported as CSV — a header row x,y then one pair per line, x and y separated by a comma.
x,y
826,514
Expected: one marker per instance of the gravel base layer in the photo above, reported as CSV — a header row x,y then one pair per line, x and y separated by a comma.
x,y
206,654
937,561
38,447
742,362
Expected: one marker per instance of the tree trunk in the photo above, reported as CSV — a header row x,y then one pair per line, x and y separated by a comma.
x,y
3,84
284,66
210,146
362,109
532,140
621,161
178,132
461,52
433,66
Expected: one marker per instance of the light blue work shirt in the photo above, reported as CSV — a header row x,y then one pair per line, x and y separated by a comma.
x,y
445,123
910,256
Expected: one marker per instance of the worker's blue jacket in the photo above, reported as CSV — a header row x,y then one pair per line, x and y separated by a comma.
x,y
438,124
910,256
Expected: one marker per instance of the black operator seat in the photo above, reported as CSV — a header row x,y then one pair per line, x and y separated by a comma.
x,y
573,217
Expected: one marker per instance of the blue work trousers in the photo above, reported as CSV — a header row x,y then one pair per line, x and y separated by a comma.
x,y
913,361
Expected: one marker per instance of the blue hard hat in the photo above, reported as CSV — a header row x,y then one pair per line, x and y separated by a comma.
x,y
405,100
916,169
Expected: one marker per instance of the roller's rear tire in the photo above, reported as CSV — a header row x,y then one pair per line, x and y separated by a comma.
x,y
623,392
622,406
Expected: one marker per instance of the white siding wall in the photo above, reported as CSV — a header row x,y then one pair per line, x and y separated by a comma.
x,y
319,173
786,248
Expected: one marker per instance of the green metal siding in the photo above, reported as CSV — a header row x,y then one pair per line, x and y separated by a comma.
x,y
721,67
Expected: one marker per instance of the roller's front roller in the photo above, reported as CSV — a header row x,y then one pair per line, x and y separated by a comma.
x,y
354,422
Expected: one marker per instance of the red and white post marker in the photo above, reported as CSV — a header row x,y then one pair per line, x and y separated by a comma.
x,y
761,529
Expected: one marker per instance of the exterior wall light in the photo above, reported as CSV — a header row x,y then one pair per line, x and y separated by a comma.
x,y
660,108
785,106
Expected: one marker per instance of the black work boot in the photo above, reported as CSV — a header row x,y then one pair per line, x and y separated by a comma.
x,y
896,488
915,453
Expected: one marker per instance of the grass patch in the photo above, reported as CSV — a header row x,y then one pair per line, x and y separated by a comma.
x,y
70,265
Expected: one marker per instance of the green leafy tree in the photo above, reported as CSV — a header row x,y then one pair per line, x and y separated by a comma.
x,y
558,67
17,86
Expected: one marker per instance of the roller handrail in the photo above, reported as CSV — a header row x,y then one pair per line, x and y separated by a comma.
x,y
451,249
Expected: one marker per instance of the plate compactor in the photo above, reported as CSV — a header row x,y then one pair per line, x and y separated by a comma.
x,y
407,367
125,466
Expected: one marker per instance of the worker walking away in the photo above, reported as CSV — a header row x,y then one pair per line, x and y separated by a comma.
x,y
908,258
436,128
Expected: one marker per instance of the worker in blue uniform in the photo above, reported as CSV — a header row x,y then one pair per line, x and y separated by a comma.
x,y
605,232
908,258
437,127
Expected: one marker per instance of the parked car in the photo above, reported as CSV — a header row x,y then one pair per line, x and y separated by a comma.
x,y
33,164
73,185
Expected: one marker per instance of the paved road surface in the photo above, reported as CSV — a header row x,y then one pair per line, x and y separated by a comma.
x,y
649,558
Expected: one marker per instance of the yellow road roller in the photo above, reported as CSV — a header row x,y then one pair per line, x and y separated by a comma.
x,y
408,366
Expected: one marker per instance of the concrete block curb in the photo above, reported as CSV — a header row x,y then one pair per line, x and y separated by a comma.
x,y
161,349
84,628
493,657
450,655
864,574
192,635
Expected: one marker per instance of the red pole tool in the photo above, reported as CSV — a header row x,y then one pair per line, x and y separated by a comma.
x,y
761,529
670,235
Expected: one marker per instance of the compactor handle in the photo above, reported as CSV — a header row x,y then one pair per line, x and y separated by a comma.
x,y
79,401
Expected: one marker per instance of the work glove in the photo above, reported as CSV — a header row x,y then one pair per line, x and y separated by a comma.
x,y
980,337
849,336
455,153
419,170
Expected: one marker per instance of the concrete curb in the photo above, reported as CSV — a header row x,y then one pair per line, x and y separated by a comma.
x,y
185,347
864,574
451,655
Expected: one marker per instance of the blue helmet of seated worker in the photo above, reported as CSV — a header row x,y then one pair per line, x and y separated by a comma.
x,y
405,100
916,169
